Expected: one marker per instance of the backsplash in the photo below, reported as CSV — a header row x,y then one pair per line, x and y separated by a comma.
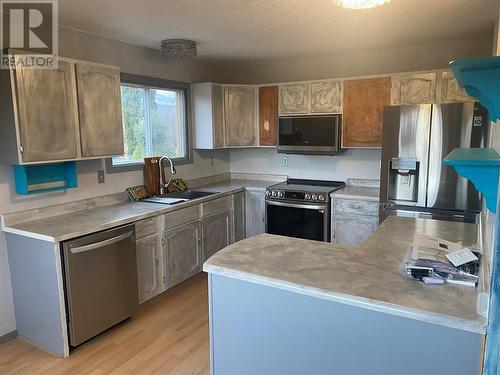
x,y
353,163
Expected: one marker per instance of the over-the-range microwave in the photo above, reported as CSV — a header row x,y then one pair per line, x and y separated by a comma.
x,y
313,135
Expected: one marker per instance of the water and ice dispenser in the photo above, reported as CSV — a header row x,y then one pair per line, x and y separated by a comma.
x,y
403,179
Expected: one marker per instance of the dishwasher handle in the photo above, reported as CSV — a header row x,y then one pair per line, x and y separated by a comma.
x,y
96,245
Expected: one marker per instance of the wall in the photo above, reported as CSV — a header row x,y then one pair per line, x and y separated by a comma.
x,y
131,59
368,62
352,163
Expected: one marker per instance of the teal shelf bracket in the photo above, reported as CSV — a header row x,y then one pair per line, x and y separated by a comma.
x,y
481,167
480,77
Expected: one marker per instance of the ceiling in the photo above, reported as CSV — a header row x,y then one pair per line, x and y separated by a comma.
x,y
280,29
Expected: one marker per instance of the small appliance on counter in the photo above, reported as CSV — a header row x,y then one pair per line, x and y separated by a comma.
x,y
413,180
300,208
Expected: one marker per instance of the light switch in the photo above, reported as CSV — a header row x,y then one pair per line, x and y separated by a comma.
x,y
100,176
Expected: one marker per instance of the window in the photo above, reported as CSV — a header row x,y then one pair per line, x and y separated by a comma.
x,y
154,123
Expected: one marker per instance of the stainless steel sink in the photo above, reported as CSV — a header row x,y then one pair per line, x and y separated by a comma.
x,y
188,194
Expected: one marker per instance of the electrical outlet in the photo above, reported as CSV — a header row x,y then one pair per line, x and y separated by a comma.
x,y
285,161
100,176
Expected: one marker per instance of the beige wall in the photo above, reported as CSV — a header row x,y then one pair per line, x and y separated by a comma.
x,y
348,64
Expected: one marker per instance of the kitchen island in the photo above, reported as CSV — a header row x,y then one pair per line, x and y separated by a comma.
x,y
281,305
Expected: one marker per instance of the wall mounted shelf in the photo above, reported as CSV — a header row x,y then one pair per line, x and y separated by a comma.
x,y
480,77
481,166
34,179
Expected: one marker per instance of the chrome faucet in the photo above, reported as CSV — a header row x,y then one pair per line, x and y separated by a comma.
x,y
161,179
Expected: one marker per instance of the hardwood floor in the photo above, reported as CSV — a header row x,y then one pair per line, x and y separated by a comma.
x,y
167,336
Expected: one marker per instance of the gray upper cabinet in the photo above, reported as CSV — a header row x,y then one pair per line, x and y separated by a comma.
x,y
449,91
208,115
413,88
294,98
238,208
99,104
182,252
149,271
326,97
47,113
240,124
216,233
255,213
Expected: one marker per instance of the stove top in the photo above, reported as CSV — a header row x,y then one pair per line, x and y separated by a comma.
x,y
303,190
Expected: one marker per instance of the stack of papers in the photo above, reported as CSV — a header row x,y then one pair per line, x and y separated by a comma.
x,y
434,261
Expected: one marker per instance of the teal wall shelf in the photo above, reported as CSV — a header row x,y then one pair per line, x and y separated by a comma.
x,y
480,77
481,166
35,179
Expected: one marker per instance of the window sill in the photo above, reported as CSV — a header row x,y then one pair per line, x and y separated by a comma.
x,y
128,167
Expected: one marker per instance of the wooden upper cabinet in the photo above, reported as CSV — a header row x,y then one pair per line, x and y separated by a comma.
x,y
294,98
449,91
99,102
47,113
268,115
239,119
413,89
364,102
326,97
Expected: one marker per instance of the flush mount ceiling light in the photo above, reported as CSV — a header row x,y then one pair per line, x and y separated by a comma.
x,y
360,4
180,48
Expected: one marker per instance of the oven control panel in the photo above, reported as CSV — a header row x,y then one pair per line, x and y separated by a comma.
x,y
295,195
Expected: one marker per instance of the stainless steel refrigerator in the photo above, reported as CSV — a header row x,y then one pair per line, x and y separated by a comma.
x,y
416,138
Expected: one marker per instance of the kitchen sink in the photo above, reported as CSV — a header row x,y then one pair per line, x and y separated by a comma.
x,y
188,194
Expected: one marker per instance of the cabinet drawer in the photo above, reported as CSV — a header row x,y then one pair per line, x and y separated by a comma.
x,y
216,205
355,206
147,227
183,216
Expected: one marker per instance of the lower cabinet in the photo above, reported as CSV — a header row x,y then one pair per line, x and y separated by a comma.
x,y
216,233
352,229
238,207
255,213
149,267
181,253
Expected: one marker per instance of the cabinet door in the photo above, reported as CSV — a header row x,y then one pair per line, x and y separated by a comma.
x,y
238,207
239,120
449,91
326,97
217,116
99,106
47,113
149,273
364,102
413,89
182,253
255,213
216,233
294,98
348,229
268,115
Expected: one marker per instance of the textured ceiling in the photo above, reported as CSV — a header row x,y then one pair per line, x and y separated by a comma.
x,y
279,29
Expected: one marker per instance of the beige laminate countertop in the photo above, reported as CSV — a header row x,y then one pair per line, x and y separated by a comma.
x,y
370,276
85,221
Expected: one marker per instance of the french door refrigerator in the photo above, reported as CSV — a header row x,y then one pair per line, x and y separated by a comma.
x,y
416,138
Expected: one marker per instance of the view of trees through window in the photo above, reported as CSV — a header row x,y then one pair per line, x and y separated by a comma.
x,y
154,123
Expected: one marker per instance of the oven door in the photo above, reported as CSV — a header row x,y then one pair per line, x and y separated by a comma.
x,y
308,221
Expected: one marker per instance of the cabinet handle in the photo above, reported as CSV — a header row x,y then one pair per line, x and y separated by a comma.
x,y
164,280
356,205
157,261
333,234
162,242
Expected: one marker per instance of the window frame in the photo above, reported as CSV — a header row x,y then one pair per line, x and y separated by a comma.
x,y
161,84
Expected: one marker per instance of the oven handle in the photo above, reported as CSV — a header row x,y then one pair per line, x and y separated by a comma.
x,y
297,205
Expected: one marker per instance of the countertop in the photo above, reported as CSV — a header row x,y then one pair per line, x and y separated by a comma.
x,y
370,276
63,227
357,192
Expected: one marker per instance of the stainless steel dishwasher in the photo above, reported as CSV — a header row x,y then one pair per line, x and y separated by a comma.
x,y
100,272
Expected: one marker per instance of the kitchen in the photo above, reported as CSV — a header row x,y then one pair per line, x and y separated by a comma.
x,y
229,147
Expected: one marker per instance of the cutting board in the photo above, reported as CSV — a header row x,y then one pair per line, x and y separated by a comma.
x,y
151,175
